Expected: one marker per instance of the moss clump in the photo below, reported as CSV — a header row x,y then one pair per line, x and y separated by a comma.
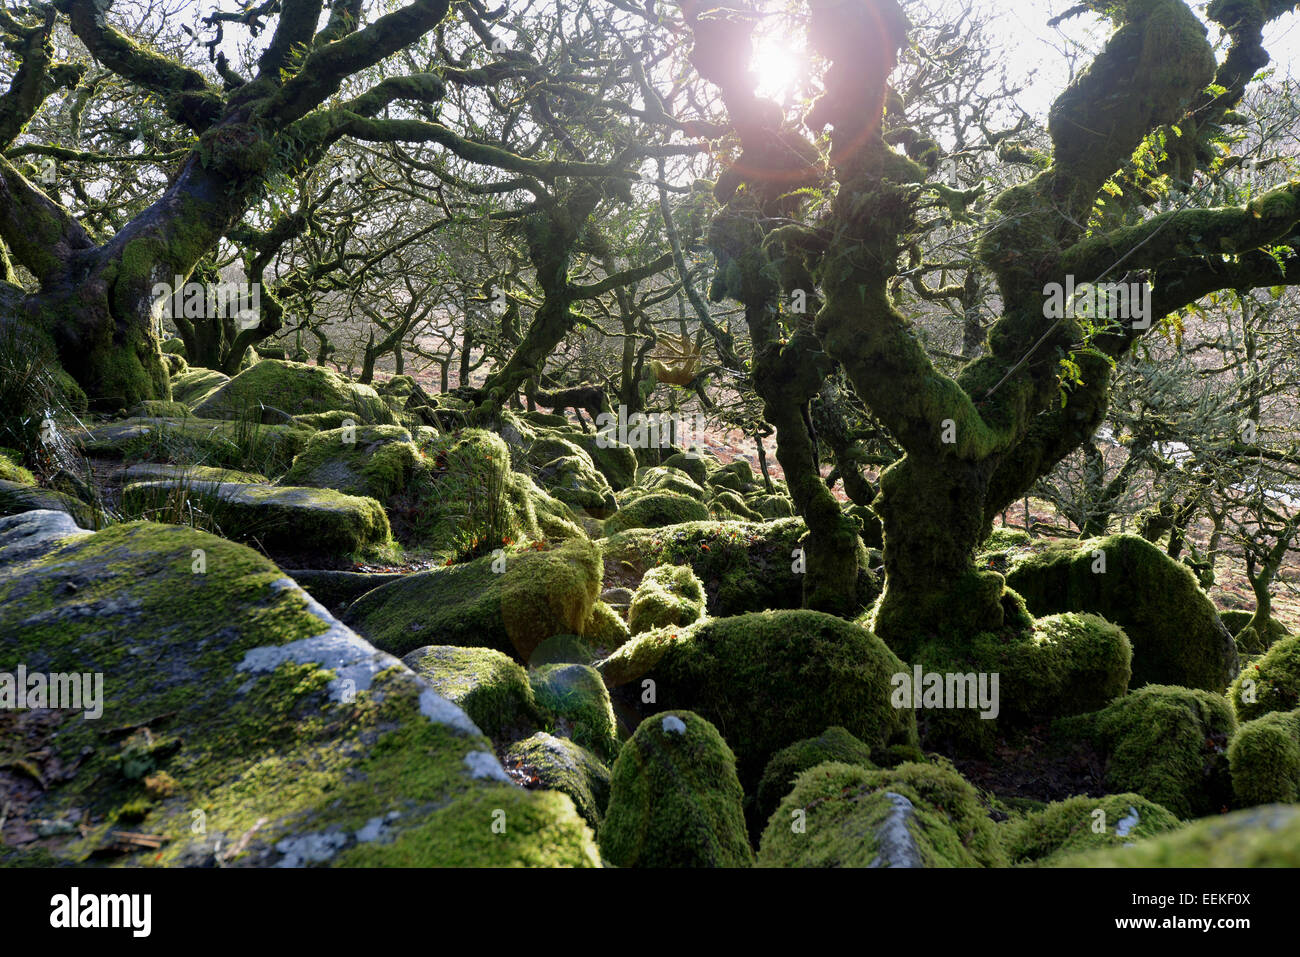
x,y
727,505
1264,759
375,461
485,684
11,469
1168,744
674,798
1072,825
667,595
751,675
743,567
696,467
160,409
1270,684
573,480
656,510
246,446
510,602
19,497
832,745
605,628
1176,634
579,705
194,385
661,478
915,815
772,506
293,388
1002,539
1260,837
558,764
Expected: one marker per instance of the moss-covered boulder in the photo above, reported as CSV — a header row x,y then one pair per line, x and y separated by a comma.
x,y
487,685
1264,759
753,674
663,478
1266,836
772,506
167,472
336,589
655,510
726,505
159,409
1166,743
558,764
736,476
19,497
253,729
194,385
616,461
12,470
674,798
834,745
846,815
375,461
667,595
216,443
696,467
743,567
578,704
1175,632
280,390
574,480
1081,824
1271,683
510,602
605,628
283,520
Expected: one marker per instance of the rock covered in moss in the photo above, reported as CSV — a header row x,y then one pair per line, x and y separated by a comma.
x,y
1083,823
282,389
216,443
663,478
1166,743
615,460
166,471
297,742
697,467
753,675
915,815
510,602
282,519
1264,759
1175,632
12,470
487,685
674,799
578,704
667,595
194,385
1271,683
729,506
605,628
834,745
744,567
574,481
656,510
1267,836
772,506
559,764
374,461
19,497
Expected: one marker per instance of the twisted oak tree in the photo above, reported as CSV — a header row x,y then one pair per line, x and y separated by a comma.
x,y
976,441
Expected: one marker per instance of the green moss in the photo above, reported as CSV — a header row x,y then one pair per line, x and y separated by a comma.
x,y
662,478
772,506
832,745
695,466
1176,634
160,409
18,497
578,704
674,798
559,764
667,595
743,567
1072,825
194,385
280,519
1166,743
751,674
655,511
294,388
538,594
374,461
1264,759
1272,683
1260,837
727,505
853,817
605,628
265,449
488,686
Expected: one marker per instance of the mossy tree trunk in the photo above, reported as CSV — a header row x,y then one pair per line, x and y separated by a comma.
x,y
976,442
